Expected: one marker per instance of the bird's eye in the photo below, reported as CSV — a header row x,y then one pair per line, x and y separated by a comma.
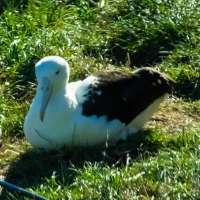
x,y
57,72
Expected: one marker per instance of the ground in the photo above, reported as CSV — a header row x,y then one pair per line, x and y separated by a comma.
x,y
172,117
162,161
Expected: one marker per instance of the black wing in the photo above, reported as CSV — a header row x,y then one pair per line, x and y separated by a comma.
x,y
124,96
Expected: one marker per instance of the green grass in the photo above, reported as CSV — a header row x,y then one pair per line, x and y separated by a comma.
x,y
160,163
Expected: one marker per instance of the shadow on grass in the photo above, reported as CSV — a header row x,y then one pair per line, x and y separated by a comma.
x,y
188,90
35,167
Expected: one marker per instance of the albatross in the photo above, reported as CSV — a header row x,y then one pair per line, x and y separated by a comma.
x,y
105,107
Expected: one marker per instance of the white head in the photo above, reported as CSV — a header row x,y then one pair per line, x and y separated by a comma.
x,y
52,73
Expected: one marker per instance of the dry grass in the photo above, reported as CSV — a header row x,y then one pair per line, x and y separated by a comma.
x,y
10,150
174,115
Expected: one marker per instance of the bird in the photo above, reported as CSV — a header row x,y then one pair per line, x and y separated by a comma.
x,y
106,106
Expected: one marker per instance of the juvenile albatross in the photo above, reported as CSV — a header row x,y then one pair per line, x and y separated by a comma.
x,y
106,106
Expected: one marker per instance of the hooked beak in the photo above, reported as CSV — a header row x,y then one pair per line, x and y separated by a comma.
x,y
47,90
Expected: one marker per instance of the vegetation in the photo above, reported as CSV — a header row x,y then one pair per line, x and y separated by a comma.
x,y
163,161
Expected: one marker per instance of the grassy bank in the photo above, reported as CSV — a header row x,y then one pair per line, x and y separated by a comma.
x,y
162,162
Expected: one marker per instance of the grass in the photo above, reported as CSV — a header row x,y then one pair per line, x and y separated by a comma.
x,y
161,162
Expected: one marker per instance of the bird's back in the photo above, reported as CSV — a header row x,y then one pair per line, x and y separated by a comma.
x,y
124,96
